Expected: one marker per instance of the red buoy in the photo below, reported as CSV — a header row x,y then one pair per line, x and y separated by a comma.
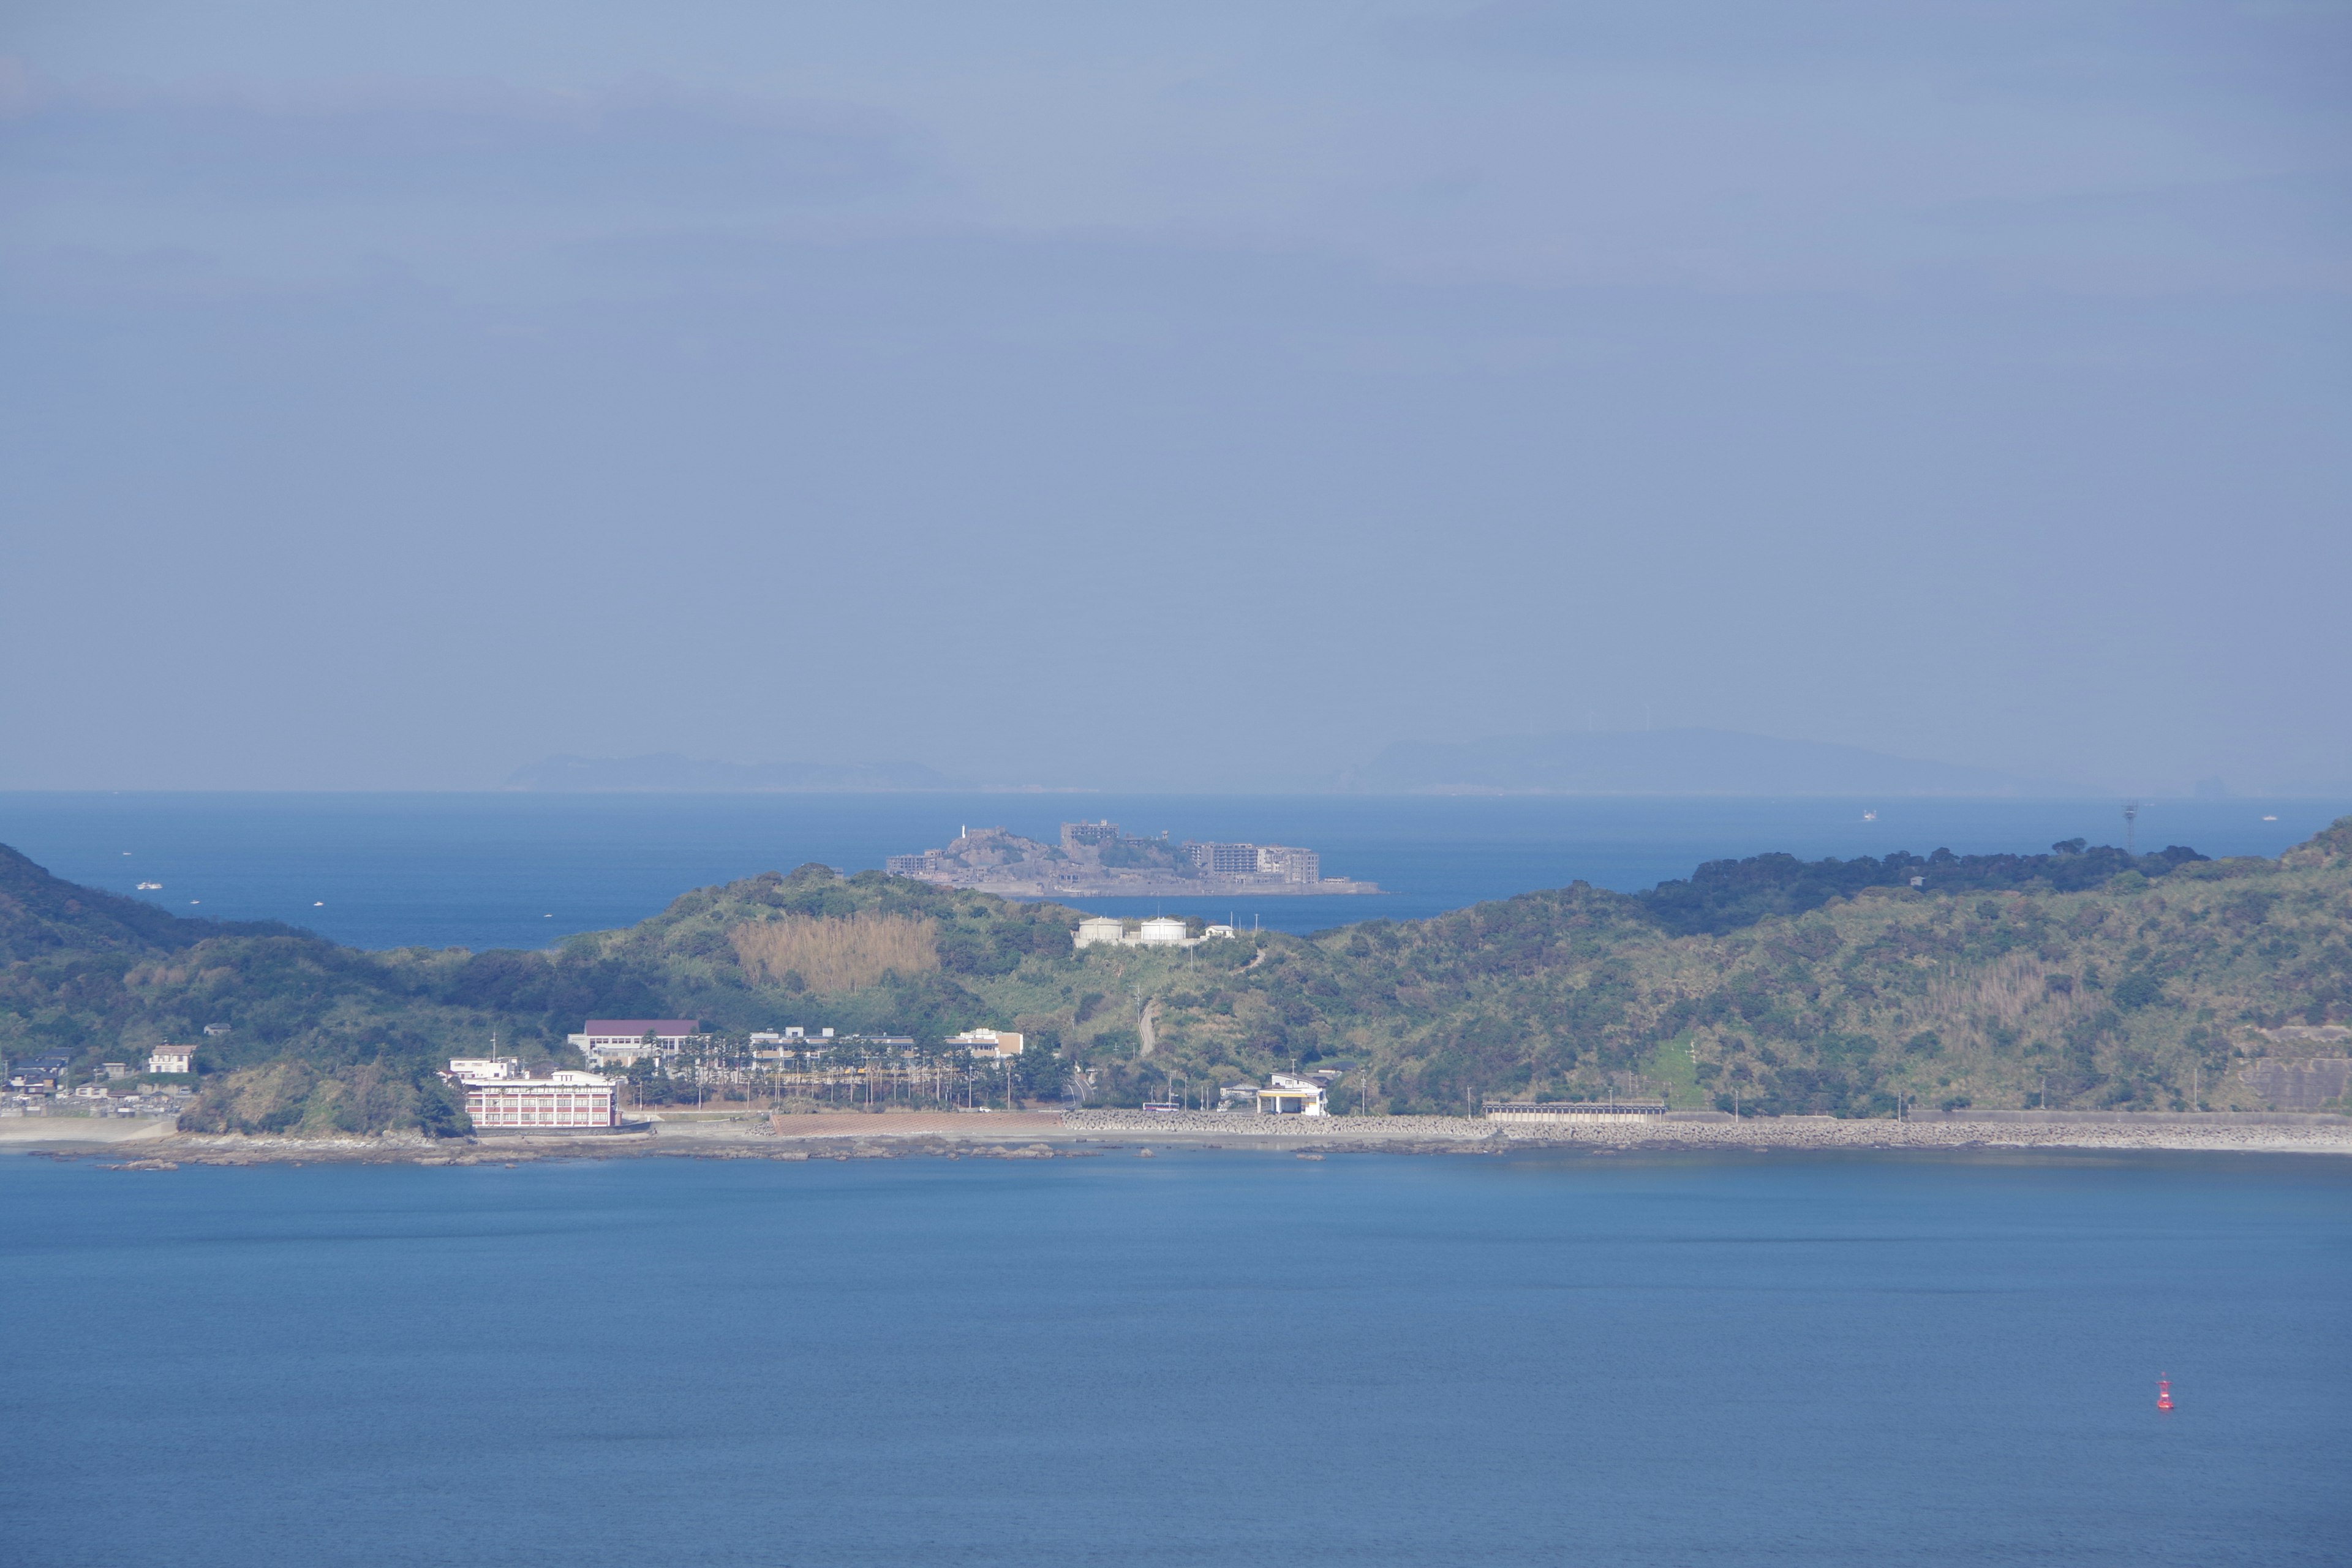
x,y
2164,1393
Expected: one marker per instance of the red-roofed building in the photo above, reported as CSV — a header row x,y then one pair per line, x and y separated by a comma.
x,y
623,1040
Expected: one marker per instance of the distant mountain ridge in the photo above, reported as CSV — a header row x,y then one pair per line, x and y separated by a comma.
x,y
666,772
1670,761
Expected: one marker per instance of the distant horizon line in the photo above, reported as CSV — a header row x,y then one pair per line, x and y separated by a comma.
x,y
1041,791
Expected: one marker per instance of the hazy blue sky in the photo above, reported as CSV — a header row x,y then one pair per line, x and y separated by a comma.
x,y
1191,394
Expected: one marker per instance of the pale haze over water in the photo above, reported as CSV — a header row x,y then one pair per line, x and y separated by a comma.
x,y
1199,397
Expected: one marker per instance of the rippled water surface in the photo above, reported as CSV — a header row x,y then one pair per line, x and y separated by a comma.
x,y
1234,1358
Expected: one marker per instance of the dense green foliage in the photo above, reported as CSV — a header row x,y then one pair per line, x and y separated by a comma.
x,y
2084,976
1724,895
2126,991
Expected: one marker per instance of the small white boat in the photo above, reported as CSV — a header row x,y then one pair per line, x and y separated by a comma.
x,y
1870,817
150,887
2269,819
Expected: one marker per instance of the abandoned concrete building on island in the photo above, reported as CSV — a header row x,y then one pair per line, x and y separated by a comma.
x,y
1095,858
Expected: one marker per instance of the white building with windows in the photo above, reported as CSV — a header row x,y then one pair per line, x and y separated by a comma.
x,y
1290,862
990,1045
497,1099
1288,1095
623,1041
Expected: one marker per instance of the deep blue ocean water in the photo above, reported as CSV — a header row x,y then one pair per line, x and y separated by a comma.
x,y
523,870
1228,1358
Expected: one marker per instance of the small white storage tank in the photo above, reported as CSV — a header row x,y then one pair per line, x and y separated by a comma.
x,y
1100,930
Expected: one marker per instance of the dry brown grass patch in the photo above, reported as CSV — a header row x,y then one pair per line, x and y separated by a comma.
x,y
836,954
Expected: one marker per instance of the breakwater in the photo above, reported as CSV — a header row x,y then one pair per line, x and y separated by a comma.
x,y
2217,1130
1032,1134
2137,1118
1248,1124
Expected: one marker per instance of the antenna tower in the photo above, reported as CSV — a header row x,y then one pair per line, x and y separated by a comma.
x,y
2131,827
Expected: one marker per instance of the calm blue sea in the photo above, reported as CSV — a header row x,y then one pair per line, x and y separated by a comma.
x,y
522,870
1219,1359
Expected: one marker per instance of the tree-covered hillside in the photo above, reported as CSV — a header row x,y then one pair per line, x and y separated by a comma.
x,y
323,1038
2084,976
2138,992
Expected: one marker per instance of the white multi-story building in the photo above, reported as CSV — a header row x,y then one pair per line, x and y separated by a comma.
x,y
623,1040
172,1059
1289,863
560,1099
1223,859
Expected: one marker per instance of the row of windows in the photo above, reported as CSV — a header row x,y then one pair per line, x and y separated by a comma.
x,y
542,1120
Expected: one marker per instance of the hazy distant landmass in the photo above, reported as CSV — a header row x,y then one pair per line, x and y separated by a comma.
x,y
668,771
1671,761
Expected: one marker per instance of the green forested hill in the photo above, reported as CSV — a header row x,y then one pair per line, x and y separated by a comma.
x,y
2136,993
2095,978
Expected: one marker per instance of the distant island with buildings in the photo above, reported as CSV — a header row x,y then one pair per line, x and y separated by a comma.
x,y
1096,859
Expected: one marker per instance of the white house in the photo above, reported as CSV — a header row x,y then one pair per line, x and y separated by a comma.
x,y
993,1045
172,1059
1291,1096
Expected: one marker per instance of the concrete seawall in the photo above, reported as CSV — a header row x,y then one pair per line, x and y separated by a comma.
x,y
1247,1124
1036,1134
2137,1118
2265,1132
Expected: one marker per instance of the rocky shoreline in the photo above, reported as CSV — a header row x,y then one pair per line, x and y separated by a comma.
x,y
1086,1133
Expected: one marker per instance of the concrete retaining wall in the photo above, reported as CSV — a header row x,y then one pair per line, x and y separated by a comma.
x,y
1247,1124
2137,1118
